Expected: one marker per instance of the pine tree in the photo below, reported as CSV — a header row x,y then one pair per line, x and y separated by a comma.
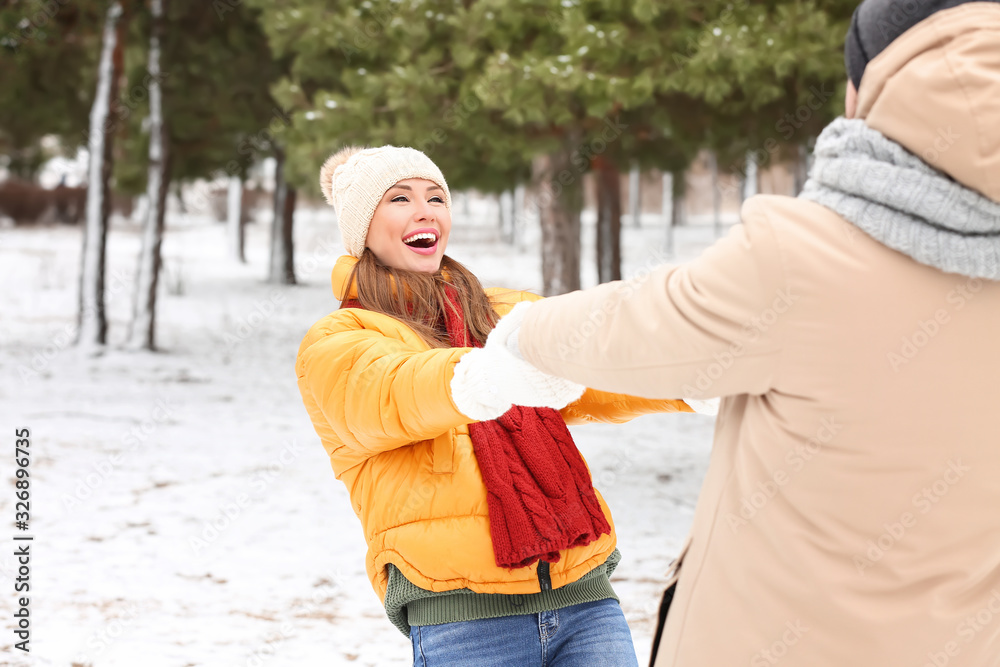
x,y
219,140
48,65
486,87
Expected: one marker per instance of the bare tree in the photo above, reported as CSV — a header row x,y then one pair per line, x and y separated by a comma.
x,y
91,317
142,333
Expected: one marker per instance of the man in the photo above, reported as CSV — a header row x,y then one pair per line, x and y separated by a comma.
x,y
851,511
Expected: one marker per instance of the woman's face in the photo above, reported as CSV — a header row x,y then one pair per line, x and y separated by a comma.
x,y
410,227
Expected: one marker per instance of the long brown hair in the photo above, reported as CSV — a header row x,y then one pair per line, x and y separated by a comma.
x,y
419,299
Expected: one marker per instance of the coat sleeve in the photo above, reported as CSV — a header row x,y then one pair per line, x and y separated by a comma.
x,y
606,407
712,327
594,405
376,392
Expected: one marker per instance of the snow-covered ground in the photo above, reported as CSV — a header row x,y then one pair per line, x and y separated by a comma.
x,y
182,508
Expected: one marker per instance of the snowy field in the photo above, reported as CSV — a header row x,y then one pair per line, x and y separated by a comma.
x,y
183,510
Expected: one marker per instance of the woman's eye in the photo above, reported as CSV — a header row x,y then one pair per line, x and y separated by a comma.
x,y
399,198
437,199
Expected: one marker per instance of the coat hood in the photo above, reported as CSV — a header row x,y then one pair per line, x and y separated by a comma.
x,y
936,91
338,278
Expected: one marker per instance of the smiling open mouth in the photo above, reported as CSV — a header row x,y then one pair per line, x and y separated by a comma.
x,y
421,240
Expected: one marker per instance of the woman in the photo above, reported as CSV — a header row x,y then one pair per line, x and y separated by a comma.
x,y
486,540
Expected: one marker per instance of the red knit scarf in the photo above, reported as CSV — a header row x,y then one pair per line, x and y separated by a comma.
x,y
539,493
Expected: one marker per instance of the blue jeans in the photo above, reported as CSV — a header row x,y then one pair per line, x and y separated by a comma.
x,y
583,635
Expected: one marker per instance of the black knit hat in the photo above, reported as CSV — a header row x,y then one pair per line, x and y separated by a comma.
x,y
877,23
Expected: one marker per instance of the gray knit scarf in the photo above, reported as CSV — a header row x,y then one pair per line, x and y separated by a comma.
x,y
904,203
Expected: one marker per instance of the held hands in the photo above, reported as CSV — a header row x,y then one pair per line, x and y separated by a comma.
x,y
504,334
490,379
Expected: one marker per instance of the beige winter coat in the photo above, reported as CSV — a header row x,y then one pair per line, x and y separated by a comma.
x,y
850,516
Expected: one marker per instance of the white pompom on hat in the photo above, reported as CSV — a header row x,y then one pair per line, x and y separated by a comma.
x,y
353,181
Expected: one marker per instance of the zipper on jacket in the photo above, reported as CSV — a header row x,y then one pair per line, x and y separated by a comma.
x,y
544,581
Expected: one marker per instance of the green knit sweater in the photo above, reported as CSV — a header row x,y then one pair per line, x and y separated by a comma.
x,y
407,605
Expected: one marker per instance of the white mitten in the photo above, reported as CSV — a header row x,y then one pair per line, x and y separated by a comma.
x,y
489,380
504,334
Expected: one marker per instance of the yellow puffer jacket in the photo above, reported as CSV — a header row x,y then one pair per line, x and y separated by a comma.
x,y
379,399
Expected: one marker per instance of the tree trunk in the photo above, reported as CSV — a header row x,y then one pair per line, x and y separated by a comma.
x,y
517,215
667,211
609,221
234,219
282,269
179,195
751,177
751,185
634,196
500,220
91,318
713,166
680,192
142,333
506,202
801,168
559,205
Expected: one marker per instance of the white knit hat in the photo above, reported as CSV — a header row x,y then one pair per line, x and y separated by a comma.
x,y
353,181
